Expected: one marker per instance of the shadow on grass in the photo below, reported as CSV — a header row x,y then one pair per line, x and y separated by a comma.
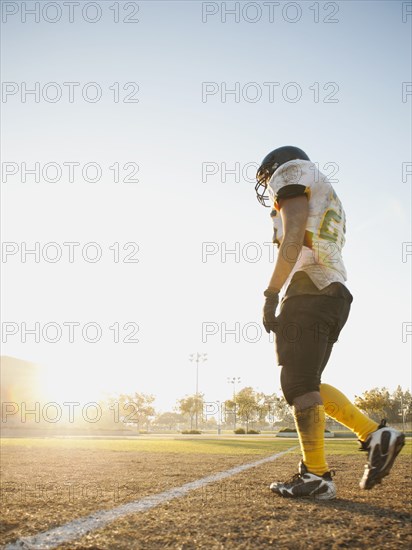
x,y
363,508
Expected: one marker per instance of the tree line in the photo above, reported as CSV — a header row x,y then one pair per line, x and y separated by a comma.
x,y
249,410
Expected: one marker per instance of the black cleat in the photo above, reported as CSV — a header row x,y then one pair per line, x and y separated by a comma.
x,y
382,446
304,484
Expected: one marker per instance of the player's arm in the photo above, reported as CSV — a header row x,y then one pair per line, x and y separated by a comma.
x,y
294,214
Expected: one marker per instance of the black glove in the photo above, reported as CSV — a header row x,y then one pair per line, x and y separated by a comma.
x,y
269,310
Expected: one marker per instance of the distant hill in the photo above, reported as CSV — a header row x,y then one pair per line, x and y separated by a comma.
x,y
20,380
28,411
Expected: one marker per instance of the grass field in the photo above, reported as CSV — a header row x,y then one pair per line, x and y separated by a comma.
x,y
47,483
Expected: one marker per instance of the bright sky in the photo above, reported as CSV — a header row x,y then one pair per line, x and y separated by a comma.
x,y
336,89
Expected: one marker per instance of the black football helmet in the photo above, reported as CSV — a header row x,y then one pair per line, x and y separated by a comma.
x,y
270,163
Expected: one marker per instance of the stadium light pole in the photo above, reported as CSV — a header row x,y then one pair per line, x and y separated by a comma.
x,y
197,358
234,380
219,426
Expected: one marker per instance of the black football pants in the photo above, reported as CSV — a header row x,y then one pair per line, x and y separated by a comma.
x,y
308,327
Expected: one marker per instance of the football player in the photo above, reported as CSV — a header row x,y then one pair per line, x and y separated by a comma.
x,y
309,229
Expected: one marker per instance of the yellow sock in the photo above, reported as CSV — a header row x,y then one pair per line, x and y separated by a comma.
x,y
310,424
338,407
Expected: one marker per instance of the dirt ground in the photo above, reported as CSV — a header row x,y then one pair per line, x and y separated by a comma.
x,y
41,490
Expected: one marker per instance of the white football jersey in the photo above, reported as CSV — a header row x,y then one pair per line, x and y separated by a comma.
x,y
321,256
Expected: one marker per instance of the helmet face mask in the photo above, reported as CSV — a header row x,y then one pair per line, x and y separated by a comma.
x,y
270,164
263,176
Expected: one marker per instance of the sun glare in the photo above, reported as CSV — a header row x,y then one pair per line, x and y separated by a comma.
x,y
70,385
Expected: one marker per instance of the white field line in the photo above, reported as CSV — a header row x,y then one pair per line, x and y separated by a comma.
x,y
80,527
